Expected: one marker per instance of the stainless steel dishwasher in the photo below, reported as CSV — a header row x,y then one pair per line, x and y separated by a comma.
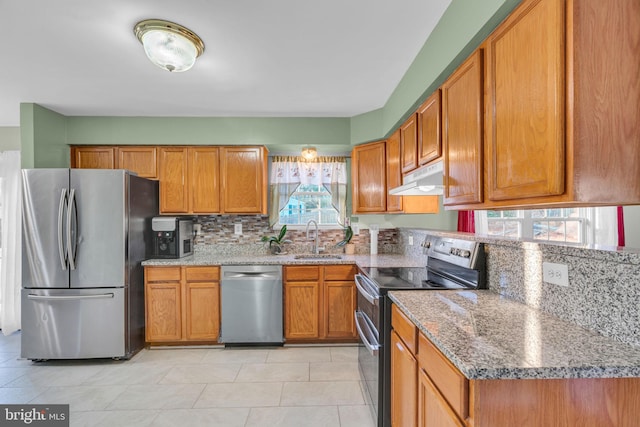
x,y
251,301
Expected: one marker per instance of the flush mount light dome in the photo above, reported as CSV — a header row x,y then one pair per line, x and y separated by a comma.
x,y
169,45
309,153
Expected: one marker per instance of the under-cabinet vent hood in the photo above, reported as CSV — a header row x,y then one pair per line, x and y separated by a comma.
x,y
426,181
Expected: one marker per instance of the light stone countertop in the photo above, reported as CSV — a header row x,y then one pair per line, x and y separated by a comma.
x,y
381,260
489,337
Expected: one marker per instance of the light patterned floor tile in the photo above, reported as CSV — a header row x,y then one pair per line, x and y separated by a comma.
x,y
356,416
134,418
299,354
227,417
313,416
236,356
130,374
321,393
344,354
17,395
56,375
273,372
239,395
202,374
334,371
171,356
80,398
165,396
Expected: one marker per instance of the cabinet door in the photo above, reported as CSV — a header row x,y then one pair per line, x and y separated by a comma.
x,y
340,304
368,178
204,168
141,160
174,193
409,144
525,138
433,410
244,178
163,311
429,136
301,310
203,311
93,158
462,133
404,388
394,174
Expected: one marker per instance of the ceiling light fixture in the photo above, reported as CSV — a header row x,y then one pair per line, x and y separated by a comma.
x,y
169,45
309,153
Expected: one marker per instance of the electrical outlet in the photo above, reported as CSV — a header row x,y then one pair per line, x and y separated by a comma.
x,y
557,274
237,228
410,275
355,227
410,240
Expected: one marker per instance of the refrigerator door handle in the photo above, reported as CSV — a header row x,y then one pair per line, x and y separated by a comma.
x,y
72,243
68,297
61,250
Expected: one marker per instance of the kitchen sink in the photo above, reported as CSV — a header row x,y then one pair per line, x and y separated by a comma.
x,y
317,256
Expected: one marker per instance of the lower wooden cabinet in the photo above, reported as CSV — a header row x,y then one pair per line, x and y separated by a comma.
x,y
433,410
319,302
182,304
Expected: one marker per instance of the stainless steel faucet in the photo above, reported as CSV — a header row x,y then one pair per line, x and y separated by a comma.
x,y
315,238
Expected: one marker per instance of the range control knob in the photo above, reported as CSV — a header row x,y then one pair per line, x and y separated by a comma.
x,y
465,254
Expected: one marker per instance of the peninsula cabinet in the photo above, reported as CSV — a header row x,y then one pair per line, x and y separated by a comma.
x,y
141,160
404,370
182,304
319,302
562,95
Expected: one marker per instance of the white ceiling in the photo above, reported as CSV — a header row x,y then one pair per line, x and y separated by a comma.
x,y
329,58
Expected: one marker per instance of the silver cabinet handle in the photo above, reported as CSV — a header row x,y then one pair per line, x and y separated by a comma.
x,y
361,284
372,347
61,250
68,297
71,244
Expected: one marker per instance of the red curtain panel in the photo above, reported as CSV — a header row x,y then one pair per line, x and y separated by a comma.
x,y
620,226
466,221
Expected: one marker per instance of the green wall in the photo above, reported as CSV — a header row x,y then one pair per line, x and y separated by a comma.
x,y
9,138
43,138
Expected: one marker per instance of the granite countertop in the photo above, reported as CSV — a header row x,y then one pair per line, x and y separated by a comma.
x,y
489,337
381,260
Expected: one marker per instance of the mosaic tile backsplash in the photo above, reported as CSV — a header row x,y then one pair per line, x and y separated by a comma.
x,y
217,236
604,284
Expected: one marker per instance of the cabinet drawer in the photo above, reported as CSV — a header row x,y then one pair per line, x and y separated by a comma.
x,y
303,272
405,329
162,274
453,386
340,272
202,274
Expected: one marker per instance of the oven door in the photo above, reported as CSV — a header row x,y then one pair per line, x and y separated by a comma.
x,y
367,319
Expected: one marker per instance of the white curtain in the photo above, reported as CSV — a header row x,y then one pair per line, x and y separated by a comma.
x,y
11,227
288,173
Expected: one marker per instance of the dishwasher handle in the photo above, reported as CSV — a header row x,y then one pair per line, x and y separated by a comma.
x,y
251,275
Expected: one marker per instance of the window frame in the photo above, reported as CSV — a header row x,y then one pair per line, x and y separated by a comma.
x,y
318,194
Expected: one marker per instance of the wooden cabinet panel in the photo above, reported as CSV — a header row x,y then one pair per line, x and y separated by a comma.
x,y
302,272
429,135
409,144
174,193
405,329
404,388
93,157
141,160
202,309
340,303
301,308
368,178
163,311
394,173
462,107
433,411
244,180
204,179
340,272
525,139
202,274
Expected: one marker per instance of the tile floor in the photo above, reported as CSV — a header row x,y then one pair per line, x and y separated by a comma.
x,y
289,386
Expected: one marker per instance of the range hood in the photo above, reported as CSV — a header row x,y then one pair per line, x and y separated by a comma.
x,y
426,181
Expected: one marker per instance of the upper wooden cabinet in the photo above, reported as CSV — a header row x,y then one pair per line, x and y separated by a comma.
x,y
409,143
429,129
462,128
204,179
174,191
244,178
141,160
394,173
368,178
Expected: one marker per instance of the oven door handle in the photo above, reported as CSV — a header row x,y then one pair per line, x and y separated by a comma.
x,y
372,347
361,284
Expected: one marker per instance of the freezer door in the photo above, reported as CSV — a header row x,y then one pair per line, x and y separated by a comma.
x,y
44,200
98,224
73,323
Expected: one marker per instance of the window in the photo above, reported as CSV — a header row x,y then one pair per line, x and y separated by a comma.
x,y
571,226
309,202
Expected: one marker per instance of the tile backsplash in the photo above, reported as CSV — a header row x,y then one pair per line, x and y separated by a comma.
x,y
604,283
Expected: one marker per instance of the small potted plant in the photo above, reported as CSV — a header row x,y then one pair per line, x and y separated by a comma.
x,y
349,248
276,242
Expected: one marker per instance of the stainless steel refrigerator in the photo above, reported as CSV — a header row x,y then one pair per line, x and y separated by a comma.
x,y
85,233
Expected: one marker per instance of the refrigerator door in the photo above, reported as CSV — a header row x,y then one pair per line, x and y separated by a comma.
x,y
73,323
97,225
44,202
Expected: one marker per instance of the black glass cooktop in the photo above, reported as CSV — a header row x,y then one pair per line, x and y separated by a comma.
x,y
403,278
